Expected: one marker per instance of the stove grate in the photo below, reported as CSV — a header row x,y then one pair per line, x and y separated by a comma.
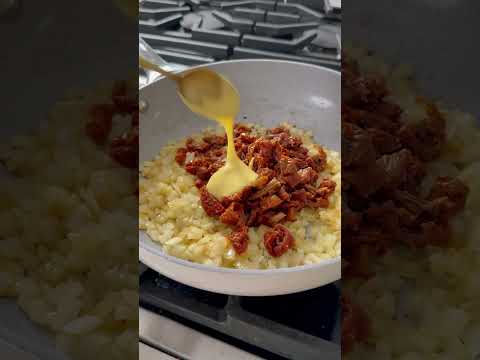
x,y
301,30
297,326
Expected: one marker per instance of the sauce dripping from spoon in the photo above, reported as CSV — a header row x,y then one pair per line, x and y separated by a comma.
x,y
211,95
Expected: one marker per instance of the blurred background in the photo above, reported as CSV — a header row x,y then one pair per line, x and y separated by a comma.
x,y
53,45
436,37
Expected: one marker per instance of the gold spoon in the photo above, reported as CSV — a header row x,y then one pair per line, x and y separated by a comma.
x,y
204,91
210,95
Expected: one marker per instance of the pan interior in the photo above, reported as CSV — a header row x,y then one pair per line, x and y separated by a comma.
x,y
271,92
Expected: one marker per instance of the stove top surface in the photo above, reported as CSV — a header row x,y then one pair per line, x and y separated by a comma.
x,y
296,326
202,31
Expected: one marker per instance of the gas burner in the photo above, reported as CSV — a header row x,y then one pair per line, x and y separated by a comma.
x,y
195,4
304,11
333,8
201,19
159,26
239,24
328,37
191,32
295,326
191,21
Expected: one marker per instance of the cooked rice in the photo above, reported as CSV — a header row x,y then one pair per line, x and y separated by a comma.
x,y
68,235
425,304
171,214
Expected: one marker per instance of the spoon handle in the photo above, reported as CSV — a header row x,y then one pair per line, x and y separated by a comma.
x,y
148,59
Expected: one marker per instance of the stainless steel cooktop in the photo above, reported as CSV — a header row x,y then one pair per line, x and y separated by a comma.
x,y
191,32
188,323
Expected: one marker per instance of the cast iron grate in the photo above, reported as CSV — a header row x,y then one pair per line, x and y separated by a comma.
x,y
297,326
202,31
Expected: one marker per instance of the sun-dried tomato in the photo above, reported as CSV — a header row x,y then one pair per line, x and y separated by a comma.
x,y
99,124
215,140
278,240
240,129
308,175
286,183
210,204
233,215
239,239
181,156
124,155
453,189
198,165
124,104
326,188
199,183
123,149
240,197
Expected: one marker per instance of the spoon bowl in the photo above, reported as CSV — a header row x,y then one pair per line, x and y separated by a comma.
x,y
205,92
209,94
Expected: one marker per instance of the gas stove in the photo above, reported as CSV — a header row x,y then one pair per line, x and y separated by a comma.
x,y
191,32
180,322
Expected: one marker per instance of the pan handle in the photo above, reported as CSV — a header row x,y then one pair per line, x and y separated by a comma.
x,y
146,51
146,77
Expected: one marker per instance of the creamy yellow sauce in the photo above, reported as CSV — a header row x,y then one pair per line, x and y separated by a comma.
x,y
210,95
234,175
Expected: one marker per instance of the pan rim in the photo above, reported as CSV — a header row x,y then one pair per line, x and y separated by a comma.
x,y
290,62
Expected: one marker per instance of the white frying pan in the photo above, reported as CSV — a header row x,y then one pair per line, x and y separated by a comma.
x,y
271,92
